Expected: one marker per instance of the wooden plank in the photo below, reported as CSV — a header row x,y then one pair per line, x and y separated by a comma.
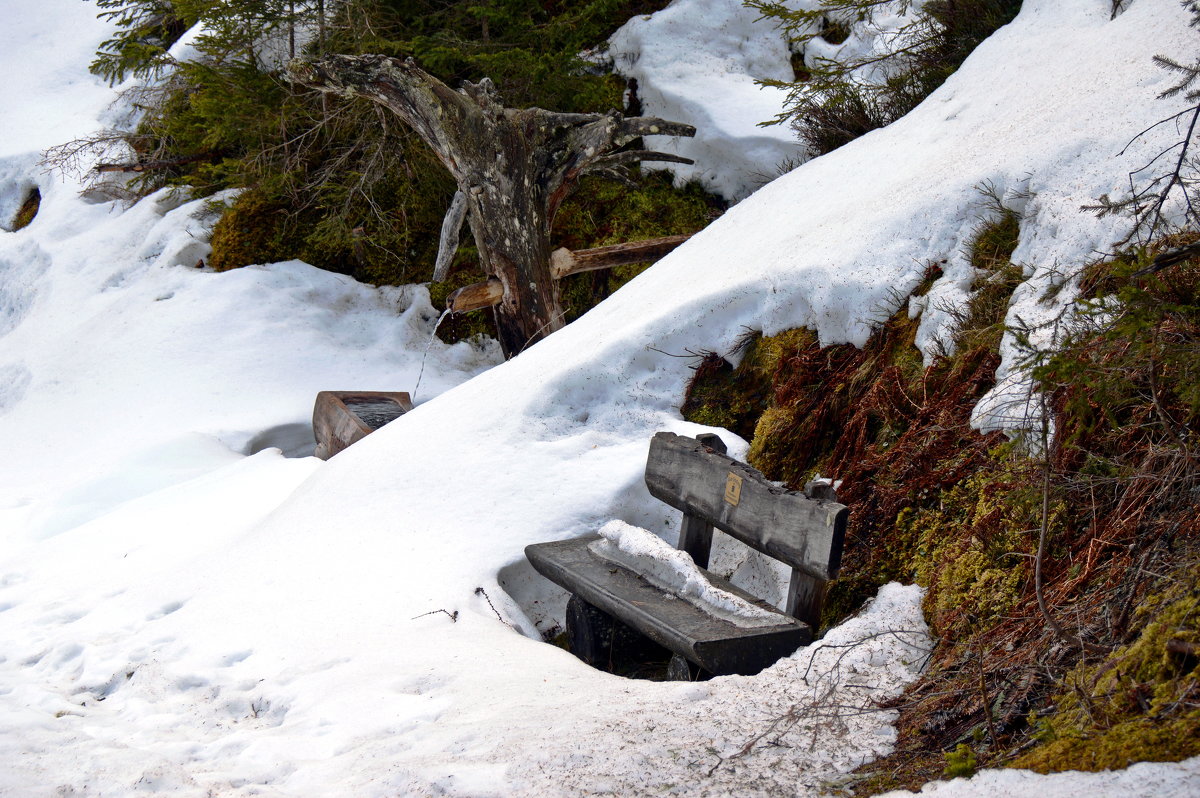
x,y
565,262
714,644
804,533
695,534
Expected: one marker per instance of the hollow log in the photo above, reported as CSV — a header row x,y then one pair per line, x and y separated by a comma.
x,y
514,166
565,262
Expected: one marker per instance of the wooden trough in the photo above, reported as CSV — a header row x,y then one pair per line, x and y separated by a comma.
x,y
341,418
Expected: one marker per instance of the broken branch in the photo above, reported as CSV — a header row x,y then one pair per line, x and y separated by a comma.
x,y
636,156
564,262
651,126
448,242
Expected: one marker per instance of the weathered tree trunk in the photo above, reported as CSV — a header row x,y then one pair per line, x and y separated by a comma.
x,y
514,166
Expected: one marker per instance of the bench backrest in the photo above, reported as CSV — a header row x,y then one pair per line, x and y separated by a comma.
x,y
714,490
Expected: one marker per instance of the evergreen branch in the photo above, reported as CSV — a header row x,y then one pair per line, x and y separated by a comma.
x,y
1190,75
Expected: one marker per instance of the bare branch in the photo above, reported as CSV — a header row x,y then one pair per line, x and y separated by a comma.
x,y
634,156
631,129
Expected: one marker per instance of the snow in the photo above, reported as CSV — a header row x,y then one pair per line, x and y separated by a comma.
x,y
696,62
701,62
1143,780
675,571
188,611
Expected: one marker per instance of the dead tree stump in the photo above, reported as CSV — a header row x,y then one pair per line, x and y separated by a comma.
x,y
514,167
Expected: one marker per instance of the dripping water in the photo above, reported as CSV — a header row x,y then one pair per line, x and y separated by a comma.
x,y
432,336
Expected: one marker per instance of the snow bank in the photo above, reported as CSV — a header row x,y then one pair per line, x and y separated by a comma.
x,y
699,62
188,612
696,62
1143,780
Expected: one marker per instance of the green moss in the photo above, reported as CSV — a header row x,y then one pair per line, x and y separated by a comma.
x,y
253,230
739,399
816,388
28,210
971,547
1128,742
388,237
960,763
603,212
766,357
1138,703
990,250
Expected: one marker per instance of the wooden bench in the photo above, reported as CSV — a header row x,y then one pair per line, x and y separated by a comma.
x,y
713,490
341,418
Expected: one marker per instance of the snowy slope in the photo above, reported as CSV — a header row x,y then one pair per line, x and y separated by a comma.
x,y
182,617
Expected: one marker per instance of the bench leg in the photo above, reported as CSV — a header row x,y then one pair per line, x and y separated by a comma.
x,y
682,669
606,643
589,632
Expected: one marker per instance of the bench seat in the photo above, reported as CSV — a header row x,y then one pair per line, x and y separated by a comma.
x,y
715,644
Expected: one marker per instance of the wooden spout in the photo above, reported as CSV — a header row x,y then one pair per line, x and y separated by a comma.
x,y
476,296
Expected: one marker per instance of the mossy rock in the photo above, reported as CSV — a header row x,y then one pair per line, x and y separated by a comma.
x,y
28,210
736,399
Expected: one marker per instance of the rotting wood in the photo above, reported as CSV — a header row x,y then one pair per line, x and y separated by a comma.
x,y
565,262
476,296
514,166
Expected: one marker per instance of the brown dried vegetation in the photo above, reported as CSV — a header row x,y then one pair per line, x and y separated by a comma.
x,y
1112,676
